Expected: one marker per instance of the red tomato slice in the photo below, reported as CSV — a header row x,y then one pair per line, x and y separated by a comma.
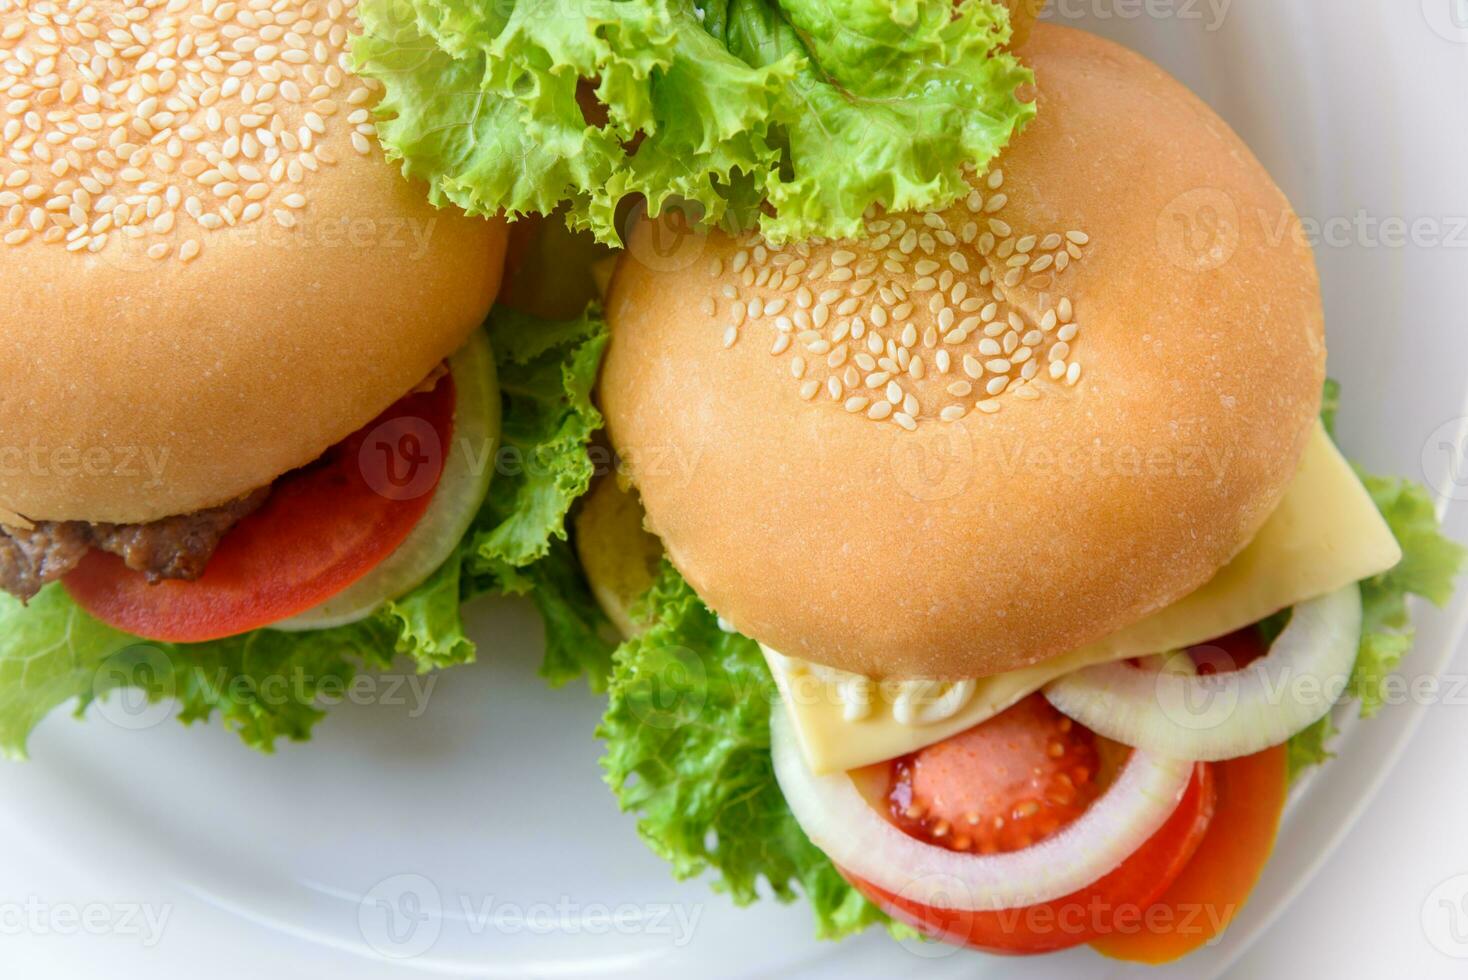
x,y
323,528
1217,881
1034,770
1000,786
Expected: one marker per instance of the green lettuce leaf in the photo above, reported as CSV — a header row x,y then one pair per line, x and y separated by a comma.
x,y
719,106
264,686
547,370
579,639
687,735
267,685
686,729
1430,562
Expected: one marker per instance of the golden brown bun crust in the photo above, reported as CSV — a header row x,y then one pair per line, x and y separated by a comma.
x,y
139,388
973,547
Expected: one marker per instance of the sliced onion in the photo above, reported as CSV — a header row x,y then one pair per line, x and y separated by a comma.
x,y
1225,715
842,822
467,470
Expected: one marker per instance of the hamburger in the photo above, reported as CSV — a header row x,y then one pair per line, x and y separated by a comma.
x,y
989,572
250,424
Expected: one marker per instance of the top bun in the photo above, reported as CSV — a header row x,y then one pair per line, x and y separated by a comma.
x,y
816,440
212,274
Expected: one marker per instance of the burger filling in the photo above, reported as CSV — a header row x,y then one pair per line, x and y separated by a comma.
x,y
170,548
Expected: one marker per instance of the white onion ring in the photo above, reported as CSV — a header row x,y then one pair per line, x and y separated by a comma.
x,y
841,822
1226,715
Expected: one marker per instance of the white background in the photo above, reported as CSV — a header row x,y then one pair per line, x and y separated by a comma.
x,y
1360,88
1361,917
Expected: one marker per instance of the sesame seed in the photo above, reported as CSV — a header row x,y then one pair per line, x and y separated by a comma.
x,y
143,98
996,385
879,410
989,406
1068,332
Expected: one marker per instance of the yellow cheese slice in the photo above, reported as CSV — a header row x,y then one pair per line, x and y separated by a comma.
x,y
1325,534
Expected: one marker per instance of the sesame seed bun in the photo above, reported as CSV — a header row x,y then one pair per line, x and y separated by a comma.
x,y
1057,504
212,273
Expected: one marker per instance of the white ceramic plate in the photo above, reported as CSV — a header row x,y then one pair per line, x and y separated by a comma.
x,y
477,839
